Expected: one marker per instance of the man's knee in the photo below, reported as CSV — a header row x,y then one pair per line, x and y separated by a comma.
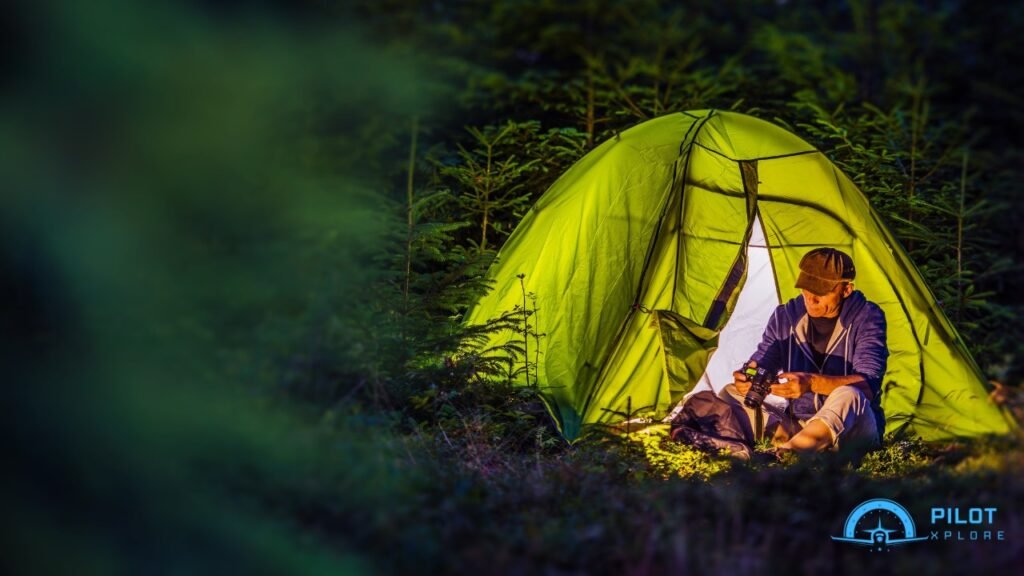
x,y
847,413
847,398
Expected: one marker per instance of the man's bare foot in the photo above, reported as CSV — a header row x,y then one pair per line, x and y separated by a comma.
x,y
780,437
784,454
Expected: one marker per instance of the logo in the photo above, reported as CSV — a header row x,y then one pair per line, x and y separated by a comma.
x,y
880,524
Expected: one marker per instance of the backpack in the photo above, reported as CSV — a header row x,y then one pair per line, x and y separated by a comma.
x,y
711,424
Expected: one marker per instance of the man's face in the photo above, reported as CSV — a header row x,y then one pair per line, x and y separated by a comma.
x,y
826,305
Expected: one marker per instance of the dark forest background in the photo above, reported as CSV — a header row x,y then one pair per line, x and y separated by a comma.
x,y
237,240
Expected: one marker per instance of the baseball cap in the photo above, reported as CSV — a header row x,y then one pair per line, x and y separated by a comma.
x,y
822,269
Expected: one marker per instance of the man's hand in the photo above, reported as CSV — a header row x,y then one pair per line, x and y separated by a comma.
x,y
739,379
797,384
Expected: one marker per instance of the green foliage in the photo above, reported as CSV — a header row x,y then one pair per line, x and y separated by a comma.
x,y
898,458
481,359
179,255
489,182
668,458
502,169
434,280
992,457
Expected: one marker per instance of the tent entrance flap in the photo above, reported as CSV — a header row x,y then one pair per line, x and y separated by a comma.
x,y
726,297
686,348
758,297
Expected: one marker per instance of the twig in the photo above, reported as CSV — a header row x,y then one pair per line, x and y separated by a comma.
x,y
410,216
526,329
960,240
445,434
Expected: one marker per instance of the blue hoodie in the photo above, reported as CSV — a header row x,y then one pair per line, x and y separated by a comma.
x,y
857,345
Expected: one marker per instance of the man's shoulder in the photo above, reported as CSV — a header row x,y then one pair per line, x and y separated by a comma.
x,y
791,310
865,312
795,304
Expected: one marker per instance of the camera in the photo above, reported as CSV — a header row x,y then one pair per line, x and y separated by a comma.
x,y
760,385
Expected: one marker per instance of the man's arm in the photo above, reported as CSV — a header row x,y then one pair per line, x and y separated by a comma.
x,y
868,360
799,383
870,352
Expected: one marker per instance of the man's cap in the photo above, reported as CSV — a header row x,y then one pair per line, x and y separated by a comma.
x,y
822,269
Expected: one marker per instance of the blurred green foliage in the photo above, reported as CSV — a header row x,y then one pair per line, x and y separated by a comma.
x,y
179,245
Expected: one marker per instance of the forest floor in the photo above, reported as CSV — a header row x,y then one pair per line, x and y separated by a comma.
x,y
494,489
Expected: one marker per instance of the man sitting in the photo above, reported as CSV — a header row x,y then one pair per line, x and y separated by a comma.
x,y
829,345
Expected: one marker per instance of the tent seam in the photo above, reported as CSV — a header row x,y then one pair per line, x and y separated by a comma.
x,y
757,158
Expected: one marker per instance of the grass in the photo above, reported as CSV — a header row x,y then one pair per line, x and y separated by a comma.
x,y
497,492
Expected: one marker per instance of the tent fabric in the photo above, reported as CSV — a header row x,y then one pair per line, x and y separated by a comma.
x,y
639,256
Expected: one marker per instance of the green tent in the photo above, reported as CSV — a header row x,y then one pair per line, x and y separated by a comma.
x,y
654,263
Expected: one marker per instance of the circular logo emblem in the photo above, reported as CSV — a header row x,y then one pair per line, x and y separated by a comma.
x,y
879,524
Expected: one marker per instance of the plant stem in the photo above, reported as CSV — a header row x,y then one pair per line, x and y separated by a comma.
x,y
487,197
526,330
590,106
410,217
915,110
536,340
960,238
629,416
